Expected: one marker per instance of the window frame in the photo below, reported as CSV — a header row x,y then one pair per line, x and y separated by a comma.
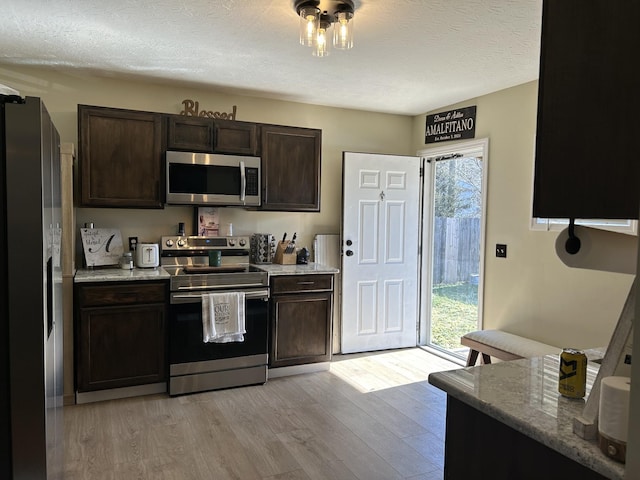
x,y
630,227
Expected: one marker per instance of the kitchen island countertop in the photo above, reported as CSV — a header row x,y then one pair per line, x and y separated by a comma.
x,y
311,268
523,394
87,275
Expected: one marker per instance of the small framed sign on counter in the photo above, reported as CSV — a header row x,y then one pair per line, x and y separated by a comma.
x,y
455,124
102,246
207,221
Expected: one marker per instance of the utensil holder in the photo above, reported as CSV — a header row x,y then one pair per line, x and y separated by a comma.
x,y
284,258
262,248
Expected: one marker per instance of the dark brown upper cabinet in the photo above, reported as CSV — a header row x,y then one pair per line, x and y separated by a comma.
x,y
290,168
120,158
190,134
588,103
205,135
231,136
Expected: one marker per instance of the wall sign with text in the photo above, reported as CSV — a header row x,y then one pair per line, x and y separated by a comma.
x,y
452,125
192,109
102,246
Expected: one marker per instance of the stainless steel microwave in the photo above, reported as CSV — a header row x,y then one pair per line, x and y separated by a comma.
x,y
212,179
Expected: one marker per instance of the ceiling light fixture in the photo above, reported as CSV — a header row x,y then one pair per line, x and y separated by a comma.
x,y
315,25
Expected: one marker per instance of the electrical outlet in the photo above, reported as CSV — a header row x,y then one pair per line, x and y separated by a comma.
x,y
501,250
133,242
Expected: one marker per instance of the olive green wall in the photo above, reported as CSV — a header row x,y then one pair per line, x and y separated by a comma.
x,y
531,292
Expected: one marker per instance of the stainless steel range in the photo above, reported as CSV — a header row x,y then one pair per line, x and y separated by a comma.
x,y
196,366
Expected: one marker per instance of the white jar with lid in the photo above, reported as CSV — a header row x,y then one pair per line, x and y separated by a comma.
x,y
126,261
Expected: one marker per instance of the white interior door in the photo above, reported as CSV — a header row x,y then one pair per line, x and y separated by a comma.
x,y
380,230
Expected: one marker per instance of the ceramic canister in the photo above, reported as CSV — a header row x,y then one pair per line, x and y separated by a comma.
x,y
262,248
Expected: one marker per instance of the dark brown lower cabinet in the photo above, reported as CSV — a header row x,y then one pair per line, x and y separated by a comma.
x,y
301,313
478,446
120,335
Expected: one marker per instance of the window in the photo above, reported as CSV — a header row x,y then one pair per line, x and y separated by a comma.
x,y
622,226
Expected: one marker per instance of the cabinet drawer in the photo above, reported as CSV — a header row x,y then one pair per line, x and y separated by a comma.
x,y
121,294
301,283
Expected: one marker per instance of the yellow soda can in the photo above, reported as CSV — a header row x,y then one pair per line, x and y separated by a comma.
x,y
573,373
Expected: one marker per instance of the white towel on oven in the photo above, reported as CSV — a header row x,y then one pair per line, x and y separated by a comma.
x,y
223,317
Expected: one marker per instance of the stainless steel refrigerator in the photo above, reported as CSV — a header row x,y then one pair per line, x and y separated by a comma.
x,y
30,292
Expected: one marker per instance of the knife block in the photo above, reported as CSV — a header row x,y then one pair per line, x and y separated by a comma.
x,y
284,258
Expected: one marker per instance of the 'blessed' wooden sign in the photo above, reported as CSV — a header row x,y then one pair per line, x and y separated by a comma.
x,y
192,109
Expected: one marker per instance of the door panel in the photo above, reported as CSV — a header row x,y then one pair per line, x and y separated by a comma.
x,y
367,303
368,238
395,232
380,220
393,300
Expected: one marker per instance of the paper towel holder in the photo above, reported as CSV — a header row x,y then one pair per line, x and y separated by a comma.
x,y
572,245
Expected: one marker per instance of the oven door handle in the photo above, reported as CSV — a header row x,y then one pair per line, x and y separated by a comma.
x,y
197,297
220,287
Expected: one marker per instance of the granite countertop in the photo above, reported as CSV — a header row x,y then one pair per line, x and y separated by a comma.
x,y
310,268
523,394
116,274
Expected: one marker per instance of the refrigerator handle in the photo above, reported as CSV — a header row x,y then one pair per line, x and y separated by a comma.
x,y
49,296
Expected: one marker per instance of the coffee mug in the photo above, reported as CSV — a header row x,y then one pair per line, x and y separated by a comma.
x,y
215,258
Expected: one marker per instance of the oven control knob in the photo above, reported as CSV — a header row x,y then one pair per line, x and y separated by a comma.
x,y
181,243
232,242
242,242
169,243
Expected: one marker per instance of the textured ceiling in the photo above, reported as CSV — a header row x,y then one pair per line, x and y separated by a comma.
x,y
409,56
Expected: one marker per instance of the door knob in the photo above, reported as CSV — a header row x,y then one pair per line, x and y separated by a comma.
x,y
349,243
349,253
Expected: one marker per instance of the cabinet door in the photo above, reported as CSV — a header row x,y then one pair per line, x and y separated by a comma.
x,y
190,134
121,347
300,329
587,107
120,158
479,446
290,168
240,138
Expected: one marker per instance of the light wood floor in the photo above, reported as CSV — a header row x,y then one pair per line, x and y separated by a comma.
x,y
370,417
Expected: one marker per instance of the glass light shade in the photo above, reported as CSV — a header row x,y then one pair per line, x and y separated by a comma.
x,y
309,22
321,45
343,31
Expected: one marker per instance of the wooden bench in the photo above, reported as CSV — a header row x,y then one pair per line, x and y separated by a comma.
x,y
503,345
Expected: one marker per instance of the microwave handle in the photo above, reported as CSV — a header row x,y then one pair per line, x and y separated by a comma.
x,y
243,181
